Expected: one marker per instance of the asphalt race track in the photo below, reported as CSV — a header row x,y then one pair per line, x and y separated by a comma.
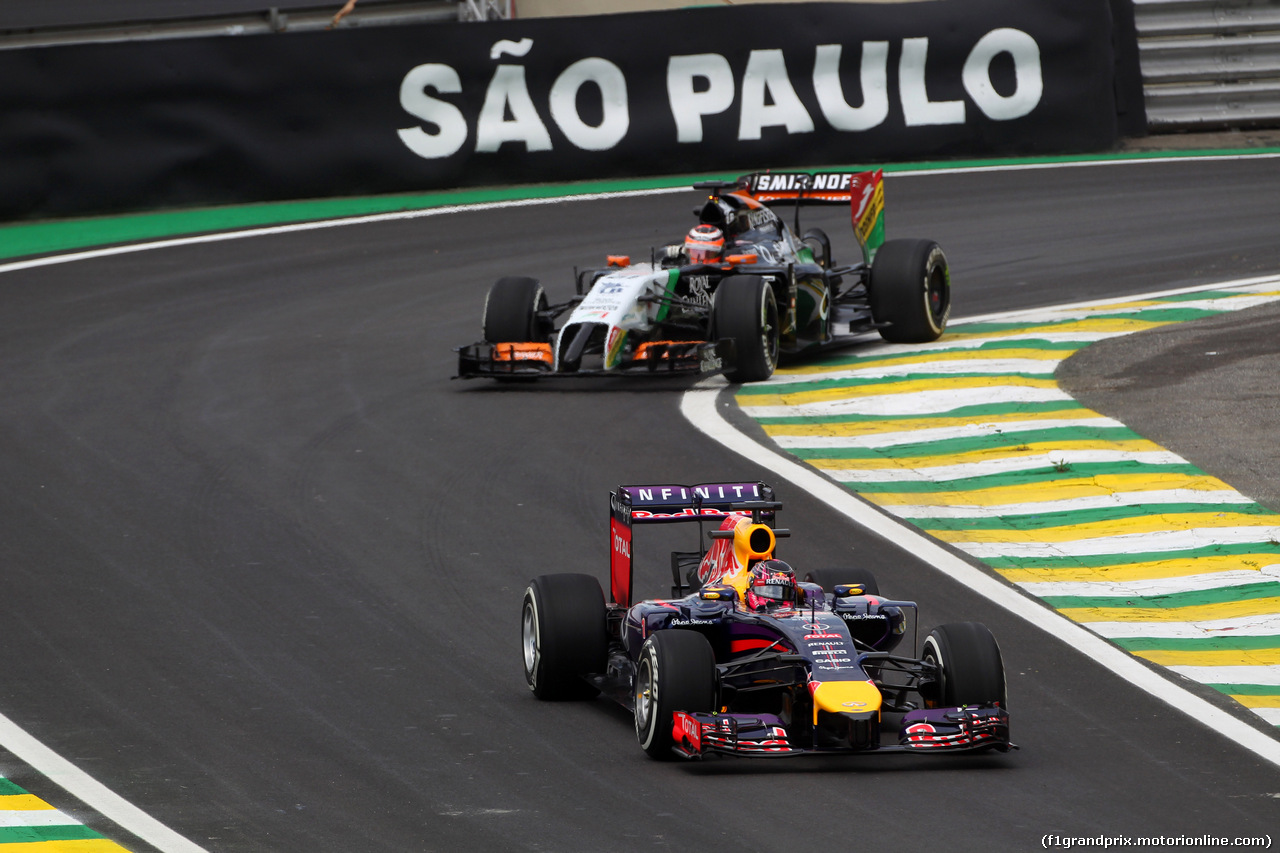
x,y
263,559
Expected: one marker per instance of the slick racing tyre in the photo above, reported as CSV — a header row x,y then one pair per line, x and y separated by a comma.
x,y
511,311
745,309
972,671
911,291
676,672
564,635
829,579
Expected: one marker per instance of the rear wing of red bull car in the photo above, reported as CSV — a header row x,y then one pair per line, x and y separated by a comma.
x,y
668,503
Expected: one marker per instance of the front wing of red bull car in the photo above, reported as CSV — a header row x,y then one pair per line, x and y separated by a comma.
x,y
704,673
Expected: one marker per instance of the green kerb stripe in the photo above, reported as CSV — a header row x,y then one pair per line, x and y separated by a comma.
x,y
29,834
8,789
1196,644
1100,560
1248,689
1040,521
1222,595
1201,296
1161,315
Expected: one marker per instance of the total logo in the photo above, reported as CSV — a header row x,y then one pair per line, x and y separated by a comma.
x,y
621,546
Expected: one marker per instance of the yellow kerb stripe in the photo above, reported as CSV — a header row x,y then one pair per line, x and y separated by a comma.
x,y
1215,657
1057,490
23,803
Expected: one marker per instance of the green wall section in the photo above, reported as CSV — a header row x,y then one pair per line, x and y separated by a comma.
x,y
23,239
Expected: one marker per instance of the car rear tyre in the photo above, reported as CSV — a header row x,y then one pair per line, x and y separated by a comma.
x,y
971,669
745,310
564,635
676,672
829,579
911,291
511,311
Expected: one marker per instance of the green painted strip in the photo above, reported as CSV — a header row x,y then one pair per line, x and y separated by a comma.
x,y
969,444
29,834
976,413
1040,521
1201,296
8,789
1197,644
1102,560
1221,595
37,238
1161,315
1042,476
1248,689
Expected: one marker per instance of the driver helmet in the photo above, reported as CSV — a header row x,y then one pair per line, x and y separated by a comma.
x,y
704,244
772,583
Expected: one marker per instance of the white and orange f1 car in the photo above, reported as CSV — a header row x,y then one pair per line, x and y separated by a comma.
x,y
769,291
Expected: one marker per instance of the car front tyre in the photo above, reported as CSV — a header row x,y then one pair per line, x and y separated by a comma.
x,y
746,310
971,668
676,672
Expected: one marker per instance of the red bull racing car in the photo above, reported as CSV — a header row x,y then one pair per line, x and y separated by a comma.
x,y
745,658
741,291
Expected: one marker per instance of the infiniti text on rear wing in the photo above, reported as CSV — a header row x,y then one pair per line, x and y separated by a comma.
x,y
665,503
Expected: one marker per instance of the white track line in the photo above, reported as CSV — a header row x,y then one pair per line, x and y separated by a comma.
x,y
91,792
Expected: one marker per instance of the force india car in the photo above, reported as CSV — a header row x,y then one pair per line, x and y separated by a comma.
x,y
705,673
769,293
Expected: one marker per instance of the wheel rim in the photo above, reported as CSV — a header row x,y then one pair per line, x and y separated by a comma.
x,y
645,698
769,327
529,637
936,295
932,654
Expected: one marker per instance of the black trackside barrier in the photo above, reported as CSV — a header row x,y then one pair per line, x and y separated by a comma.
x,y
109,127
